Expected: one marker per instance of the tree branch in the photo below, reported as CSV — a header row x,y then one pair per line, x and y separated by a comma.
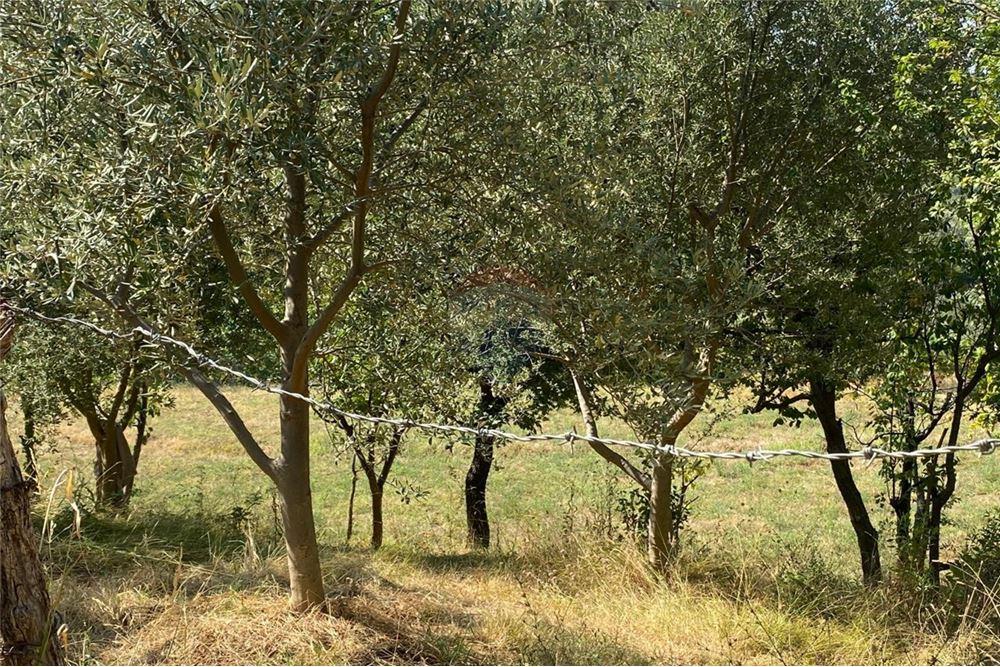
x,y
402,128
397,438
331,228
362,192
700,385
370,104
208,388
319,327
238,276
120,393
232,419
608,454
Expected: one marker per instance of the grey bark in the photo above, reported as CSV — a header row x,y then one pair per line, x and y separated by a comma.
x,y
660,545
27,633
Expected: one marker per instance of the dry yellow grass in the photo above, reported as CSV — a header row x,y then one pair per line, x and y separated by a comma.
x,y
767,574
590,604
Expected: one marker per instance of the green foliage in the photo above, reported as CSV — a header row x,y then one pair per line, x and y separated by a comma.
x,y
512,357
943,350
56,369
129,126
667,199
632,504
982,553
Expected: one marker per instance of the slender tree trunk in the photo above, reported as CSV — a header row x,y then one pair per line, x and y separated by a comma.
x,y
938,503
902,507
354,493
378,479
659,542
295,490
107,463
661,538
377,493
935,510
27,635
477,518
942,495
476,515
901,499
824,401
920,538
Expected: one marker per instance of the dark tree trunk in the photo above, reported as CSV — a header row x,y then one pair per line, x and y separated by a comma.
x,y
475,493
377,493
824,401
477,518
27,635
943,494
365,455
354,493
938,502
902,506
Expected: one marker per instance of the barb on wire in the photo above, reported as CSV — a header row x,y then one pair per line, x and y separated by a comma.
x,y
327,410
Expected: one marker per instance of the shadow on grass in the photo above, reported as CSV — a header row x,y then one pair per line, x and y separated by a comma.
x,y
118,541
416,624
470,562
413,626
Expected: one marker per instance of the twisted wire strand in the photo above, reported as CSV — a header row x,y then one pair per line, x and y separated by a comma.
x,y
327,410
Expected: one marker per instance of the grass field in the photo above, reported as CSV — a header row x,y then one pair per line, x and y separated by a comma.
x,y
768,572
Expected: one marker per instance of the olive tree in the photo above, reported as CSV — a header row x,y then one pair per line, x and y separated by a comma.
x,y
841,280
828,327
518,381
690,141
115,386
388,357
282,136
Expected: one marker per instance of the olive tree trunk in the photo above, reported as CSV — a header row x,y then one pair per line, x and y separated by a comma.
x,y
29,439
378,524
660,535
27,636
476,515
295,491
902,503
116,468
114,462
365,453
942,495
824,402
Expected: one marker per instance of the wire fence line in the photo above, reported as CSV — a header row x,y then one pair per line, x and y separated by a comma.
x,y
327,409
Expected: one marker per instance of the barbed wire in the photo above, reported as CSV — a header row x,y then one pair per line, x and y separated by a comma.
x,y
326,409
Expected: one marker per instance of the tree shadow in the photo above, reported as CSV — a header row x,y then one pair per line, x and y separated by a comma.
x,y
179,558
118,541
414,626
418,625
469,562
